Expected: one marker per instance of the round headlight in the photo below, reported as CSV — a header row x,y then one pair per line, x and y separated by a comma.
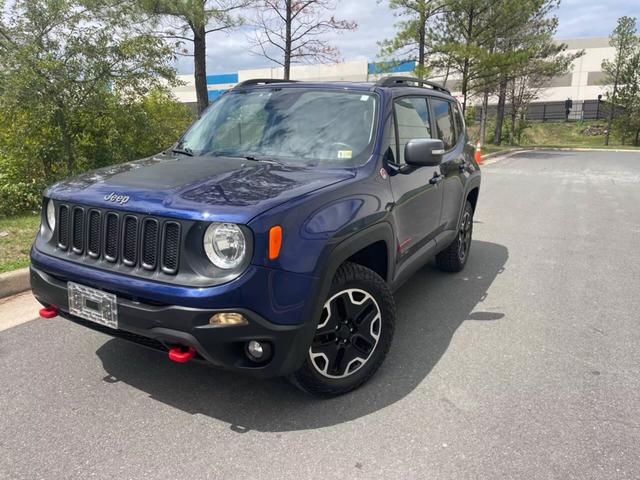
x,y
51,215
225,245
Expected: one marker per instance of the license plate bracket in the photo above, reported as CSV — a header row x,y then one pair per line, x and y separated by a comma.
x,y
93,305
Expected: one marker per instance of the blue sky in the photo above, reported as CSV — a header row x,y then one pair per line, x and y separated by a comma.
x,y
229,52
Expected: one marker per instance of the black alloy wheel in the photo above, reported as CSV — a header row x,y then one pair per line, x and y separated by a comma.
x,y
347,335
353,334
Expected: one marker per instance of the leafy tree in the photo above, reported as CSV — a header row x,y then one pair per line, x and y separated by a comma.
x,y
541,59
78,86
191,21
625,40
526,85
60,56
462,41
488,44
529,57
291,31
627,121
111,131
412,31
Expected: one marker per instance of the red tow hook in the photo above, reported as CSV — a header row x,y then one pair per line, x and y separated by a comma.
x,y
48,312
177,354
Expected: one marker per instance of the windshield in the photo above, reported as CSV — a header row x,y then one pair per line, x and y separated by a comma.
x,y
288,125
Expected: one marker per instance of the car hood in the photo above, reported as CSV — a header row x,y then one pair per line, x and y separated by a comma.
x,y
195,188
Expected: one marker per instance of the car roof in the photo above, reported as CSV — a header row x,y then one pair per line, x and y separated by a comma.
x,y
421,91
398,86
359,86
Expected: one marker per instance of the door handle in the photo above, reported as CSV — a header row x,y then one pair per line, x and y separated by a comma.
x,y
463,165
436,179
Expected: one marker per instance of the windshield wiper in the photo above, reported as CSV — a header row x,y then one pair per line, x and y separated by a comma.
x,y
257,158
184,151
246,156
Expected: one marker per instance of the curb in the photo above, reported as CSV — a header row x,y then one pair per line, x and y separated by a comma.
x,y
559,149
14,282
586,149
502,152
497,156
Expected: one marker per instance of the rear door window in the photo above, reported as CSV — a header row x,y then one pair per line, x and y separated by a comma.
x,y
443,117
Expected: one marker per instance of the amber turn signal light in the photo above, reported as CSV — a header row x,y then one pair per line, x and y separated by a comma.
x,y
275,242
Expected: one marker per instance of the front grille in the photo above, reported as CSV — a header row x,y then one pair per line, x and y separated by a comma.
x,y
171,246
77,239
63,227
93,246
149,244
122,239
130,240
111,237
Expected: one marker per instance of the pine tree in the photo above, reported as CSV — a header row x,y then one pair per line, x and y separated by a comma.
x,y
625,40
412,32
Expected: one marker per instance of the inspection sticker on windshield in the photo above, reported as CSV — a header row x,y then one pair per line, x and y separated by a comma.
x,y
345,153
364,98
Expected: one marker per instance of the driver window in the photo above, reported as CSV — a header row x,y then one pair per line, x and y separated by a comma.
x,y
412,116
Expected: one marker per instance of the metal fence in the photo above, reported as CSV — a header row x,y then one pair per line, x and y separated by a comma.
x,y
555,111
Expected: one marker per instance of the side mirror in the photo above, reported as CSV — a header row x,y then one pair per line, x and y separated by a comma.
x,y
424,152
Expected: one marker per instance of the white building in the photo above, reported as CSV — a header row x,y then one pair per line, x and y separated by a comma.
x,y
585,80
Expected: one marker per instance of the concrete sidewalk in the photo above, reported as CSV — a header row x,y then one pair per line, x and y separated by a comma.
x,y
18,309
14,282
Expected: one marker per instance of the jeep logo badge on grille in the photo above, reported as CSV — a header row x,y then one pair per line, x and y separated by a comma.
x,y
115,198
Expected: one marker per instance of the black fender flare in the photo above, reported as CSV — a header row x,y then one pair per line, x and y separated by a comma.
x,y
381,231
472,184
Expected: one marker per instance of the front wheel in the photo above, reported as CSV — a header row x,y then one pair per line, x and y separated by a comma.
x,y
353,335
454,257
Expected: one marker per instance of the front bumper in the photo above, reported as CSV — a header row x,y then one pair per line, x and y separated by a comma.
x,y
162,326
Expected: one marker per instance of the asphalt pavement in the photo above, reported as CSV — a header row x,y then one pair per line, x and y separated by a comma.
x,y
524,366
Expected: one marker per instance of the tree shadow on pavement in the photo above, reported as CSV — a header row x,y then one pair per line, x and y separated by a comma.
x,y
431,306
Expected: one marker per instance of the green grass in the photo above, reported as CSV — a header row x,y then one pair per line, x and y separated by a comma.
x,y
566,134
552,135
16,235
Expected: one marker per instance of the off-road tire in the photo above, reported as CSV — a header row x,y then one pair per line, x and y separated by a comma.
x,y
455,256
354,282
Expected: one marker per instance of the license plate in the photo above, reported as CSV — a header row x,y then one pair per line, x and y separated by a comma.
x,y
93,305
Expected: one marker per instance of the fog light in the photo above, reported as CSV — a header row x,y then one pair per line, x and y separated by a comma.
x,y
226,319
258,351
255,349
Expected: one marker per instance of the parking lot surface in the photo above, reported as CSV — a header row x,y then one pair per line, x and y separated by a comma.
x,y
526,365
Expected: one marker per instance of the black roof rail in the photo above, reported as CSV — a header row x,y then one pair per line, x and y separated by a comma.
x,y
262,81
396,81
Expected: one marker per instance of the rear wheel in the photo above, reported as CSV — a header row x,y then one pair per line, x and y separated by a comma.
x,y
454,257
353,335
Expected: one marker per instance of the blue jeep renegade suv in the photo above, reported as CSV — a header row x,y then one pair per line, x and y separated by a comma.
x,y
270,238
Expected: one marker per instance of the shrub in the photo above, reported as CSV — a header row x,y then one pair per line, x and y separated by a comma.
x,y
31,154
